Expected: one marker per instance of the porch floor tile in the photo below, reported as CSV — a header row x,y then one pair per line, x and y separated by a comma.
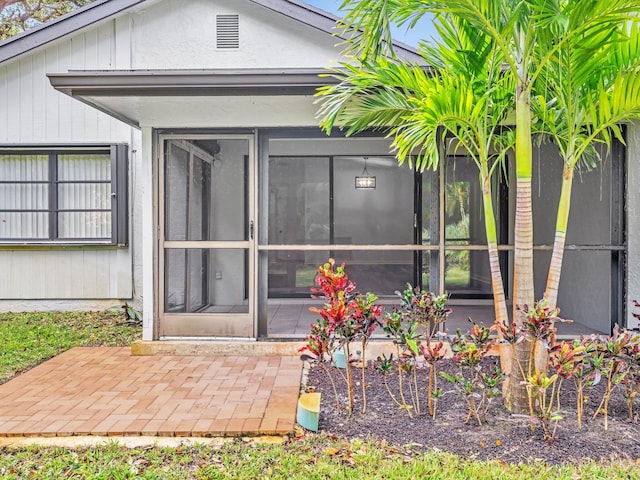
x,y
107,391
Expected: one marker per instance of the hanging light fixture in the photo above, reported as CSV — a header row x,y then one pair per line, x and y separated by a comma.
x,y
365,181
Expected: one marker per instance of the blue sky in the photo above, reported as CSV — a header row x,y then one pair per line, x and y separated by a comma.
x,y
423,30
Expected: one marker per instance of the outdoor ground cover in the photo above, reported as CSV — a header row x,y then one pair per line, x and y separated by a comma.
x,y
28,339
308,457
34,337
502,437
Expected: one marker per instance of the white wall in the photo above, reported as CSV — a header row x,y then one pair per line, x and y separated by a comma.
x,y
158,34
181,34
227,112
33,113
66,273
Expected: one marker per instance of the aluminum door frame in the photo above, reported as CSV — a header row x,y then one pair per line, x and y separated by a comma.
x,y
208,325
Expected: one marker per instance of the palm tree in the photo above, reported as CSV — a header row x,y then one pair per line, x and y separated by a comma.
x,y
506,25
522,34
592,86
464,95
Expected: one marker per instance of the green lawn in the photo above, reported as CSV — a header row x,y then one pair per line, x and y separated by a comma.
x,y
457,277
315,457
28,339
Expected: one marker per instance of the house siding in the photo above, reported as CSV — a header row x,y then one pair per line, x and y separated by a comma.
x,y
68,273
149,36
36,113
56,277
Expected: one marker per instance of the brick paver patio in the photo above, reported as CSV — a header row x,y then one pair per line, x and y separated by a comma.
x,y
107,391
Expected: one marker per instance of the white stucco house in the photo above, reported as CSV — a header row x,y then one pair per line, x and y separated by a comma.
x,y
166,153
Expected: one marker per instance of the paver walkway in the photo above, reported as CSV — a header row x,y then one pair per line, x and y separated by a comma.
x,y
107,391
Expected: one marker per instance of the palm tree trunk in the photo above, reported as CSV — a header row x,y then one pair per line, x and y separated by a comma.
x,y
497,287
523,262
555,267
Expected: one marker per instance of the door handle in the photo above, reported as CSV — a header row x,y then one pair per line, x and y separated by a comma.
x,y
251,228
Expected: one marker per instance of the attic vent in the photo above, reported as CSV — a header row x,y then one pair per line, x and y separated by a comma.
x,y
227,31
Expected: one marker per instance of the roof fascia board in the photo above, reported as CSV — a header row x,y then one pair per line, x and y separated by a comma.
x,y
64,25
195,83
314,17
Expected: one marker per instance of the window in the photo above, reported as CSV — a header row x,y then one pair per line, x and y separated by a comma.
x,y
313,201
429,229
66,195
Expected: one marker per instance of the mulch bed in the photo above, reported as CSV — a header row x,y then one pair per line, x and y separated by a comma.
x,y
502,437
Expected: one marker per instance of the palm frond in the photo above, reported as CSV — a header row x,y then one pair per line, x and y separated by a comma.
x,y
367,23
374,95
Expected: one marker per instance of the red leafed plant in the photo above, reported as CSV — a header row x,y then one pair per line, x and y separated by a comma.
x,y
345,317
477,385
614,366
539,323
414,327
318,349
565,358
432,354
539,332
566,361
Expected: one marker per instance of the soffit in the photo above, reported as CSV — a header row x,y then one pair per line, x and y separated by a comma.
x,y
138,97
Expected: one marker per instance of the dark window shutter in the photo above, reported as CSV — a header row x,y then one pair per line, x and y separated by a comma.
x,y
120,194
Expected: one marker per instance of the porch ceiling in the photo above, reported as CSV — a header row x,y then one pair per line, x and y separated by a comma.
x,y
138,96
